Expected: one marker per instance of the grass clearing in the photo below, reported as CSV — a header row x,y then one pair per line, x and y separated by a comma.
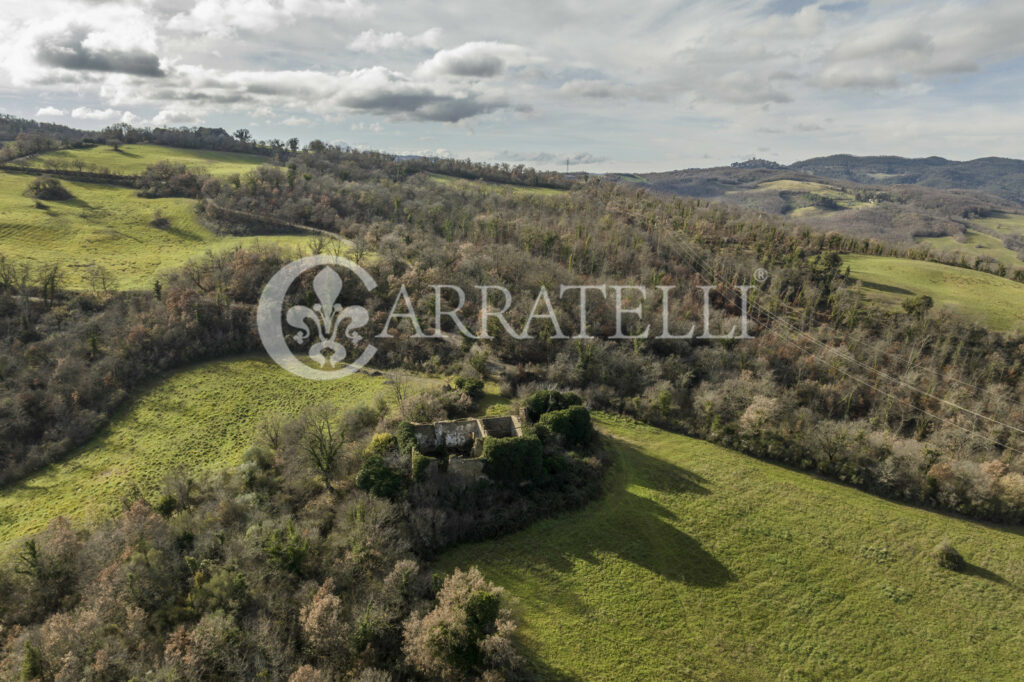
x,y
976,245
110,227
132,159
499,187
201,418
701,563
989,300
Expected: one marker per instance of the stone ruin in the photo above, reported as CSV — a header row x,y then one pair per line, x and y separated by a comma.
x,y
464,436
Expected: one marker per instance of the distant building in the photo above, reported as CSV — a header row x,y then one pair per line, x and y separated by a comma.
x,y
757,163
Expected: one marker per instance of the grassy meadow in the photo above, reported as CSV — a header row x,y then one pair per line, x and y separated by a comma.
x,y
701,563
132,159
200,418
985,240
110,227
496,186
993,301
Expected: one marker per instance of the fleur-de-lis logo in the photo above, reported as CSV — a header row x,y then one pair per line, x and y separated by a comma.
x,y
327,326
327,316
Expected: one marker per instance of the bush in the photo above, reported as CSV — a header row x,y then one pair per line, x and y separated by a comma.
x,y
420,462
474,388
572,426
49,188
168,179
377,478
947,557
406,437
543,402
513,460
383,445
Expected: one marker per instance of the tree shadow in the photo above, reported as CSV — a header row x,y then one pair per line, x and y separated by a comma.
x,y
76,202
657,474
637,530
886,288
984,573
178,232
122,152
539,670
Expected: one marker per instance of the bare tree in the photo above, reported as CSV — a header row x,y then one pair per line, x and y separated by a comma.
x,y
322,442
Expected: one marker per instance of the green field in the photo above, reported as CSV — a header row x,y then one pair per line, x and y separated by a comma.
x,y
701,563
975,245
203,417
496,186
989,300
108,226
132,159
985,240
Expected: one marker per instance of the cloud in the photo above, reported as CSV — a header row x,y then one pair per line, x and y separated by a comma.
x,y
70,49
177,115
475,60
382,91
49,112
223,18
372,41
89,114
548,158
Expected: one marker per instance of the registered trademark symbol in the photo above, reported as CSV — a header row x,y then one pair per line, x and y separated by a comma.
x,y
760,274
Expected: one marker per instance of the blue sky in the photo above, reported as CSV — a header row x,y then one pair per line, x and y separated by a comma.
x,y
609,85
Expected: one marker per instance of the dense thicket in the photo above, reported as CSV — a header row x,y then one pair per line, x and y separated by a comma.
x,y
279,569
914,405
917,405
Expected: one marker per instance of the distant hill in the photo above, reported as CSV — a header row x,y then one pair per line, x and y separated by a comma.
x,y
896,213
993,175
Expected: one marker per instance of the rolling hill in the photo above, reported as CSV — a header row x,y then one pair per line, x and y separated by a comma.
x,y
131,159
111,228
993,175
702,563
985,299
200,419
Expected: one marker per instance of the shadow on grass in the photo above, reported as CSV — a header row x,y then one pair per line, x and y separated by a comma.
x,y
657,474
76,202
886,288
124,153
178,232
984,573
539,670
638,529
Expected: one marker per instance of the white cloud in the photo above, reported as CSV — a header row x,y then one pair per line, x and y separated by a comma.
x,y
374,41
641,83
475,60
90,114
221,18
49,112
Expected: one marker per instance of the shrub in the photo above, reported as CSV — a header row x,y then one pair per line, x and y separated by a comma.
x,y
168,179
572,426
543,402
286,548
377,478
383,445
513,460
420,462
467,633
50,188
947,557
474,388
406,437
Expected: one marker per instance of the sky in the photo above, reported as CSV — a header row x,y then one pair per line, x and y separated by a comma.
x,y
606,85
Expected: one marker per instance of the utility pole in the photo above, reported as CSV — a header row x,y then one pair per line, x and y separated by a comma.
x,y
567,166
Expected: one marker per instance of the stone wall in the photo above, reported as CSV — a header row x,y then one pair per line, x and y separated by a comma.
x,y
464,435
